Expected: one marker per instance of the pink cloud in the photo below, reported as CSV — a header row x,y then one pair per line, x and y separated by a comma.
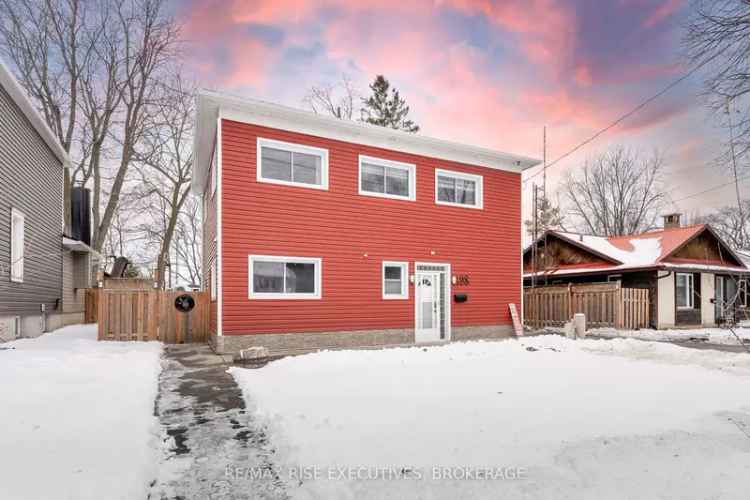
x,y
666,9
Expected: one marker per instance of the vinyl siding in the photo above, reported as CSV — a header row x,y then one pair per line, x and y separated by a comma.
x,y
353,234
30,181
209,245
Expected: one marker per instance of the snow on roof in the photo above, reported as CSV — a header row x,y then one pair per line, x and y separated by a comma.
x,y
643,250
638,251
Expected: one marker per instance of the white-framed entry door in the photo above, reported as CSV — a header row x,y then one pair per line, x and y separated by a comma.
x,y
432,302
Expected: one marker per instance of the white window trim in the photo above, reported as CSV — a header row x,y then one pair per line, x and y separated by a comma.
x,y
409,167
316,295
742,291
294,148
689,290
17,260
404,280
479,193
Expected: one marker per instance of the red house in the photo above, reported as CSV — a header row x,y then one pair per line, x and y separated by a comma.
x,y
326,233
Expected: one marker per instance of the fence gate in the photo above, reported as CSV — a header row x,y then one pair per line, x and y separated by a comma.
x,y
151,315
604,304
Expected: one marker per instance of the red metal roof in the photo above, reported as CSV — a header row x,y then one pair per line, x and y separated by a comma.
x,y
671,239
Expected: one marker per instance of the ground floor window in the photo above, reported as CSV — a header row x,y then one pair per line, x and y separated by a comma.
x,y
274,277
684,291
394,280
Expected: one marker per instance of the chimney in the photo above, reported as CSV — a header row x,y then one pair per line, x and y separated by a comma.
x,y
80,204
671,221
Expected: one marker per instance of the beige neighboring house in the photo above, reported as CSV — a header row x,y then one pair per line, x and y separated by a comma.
x,y
45,263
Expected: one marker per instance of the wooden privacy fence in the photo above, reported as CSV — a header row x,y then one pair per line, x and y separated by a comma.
x,y
604,304
151,315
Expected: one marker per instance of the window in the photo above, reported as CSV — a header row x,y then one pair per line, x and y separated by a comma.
x,y
292,164
386,178
395,280
684,291
742,299
214,280
17,229
274,277
458,189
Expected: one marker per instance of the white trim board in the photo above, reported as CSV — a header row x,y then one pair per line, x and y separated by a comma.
x,y
252,111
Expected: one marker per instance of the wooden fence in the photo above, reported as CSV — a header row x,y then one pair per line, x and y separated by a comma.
x,y
604,304
151,315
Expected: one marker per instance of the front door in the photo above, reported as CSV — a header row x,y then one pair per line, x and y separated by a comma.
x,y
719,298
428,306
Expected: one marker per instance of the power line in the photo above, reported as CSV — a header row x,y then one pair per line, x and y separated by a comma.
x,y
711,189
624,117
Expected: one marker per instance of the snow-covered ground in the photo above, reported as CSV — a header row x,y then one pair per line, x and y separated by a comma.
x,y
587,419
77,417
720,336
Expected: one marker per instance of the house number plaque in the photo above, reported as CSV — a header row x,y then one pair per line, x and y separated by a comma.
x,y
462,280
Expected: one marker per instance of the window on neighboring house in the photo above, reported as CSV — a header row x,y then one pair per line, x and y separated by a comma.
x,y
458,189
395,280
684,291
17,230
273,277
742,298
292,164
214,278
386,178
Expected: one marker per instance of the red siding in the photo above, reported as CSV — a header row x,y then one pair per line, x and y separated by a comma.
x,y
341,226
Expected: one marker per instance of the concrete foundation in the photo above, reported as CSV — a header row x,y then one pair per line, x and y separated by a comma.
x,y
285,344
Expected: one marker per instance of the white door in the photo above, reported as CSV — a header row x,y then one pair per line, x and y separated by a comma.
x,y
719,298
428,307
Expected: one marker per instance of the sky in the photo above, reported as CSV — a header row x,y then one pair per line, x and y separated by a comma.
x,y
488,73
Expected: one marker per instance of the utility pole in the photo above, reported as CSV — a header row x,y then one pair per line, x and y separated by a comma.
x,y
544,162
544,192
535,237
734,168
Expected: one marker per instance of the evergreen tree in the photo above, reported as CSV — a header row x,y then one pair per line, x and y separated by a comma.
x,y
386,108
549,217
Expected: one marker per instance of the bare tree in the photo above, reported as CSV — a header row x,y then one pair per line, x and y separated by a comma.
x,y
337,99
617,193
188,242
164,162
92,66
732,224
718,36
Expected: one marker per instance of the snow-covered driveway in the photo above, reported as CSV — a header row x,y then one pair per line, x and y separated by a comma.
x,y
576,419
77,417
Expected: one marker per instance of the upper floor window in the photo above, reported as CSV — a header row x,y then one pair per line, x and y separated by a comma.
x,y
292,164
458,189
17,230
387,178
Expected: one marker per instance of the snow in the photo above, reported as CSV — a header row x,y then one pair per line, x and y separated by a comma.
x,y
721,336
585,419
646,251
77,419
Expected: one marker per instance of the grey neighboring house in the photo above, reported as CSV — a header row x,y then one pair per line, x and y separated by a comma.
x,y
43,269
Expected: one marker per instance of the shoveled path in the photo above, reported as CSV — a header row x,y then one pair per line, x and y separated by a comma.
x,y
207,434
